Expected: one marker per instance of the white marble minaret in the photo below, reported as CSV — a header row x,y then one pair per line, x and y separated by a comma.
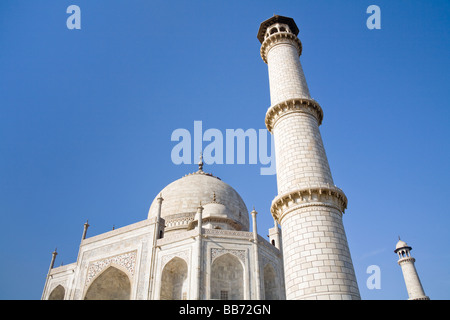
x,y
412,281
309,207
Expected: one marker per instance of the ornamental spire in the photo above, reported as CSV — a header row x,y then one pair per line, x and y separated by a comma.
x,y
200,169
200,163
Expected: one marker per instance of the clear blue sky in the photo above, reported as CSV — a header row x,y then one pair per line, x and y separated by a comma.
x,y
86,118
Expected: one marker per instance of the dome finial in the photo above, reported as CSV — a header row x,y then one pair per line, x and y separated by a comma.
x,y
200,163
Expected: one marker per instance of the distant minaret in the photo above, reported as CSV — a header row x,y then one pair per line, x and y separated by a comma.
x,y
412,281
309,206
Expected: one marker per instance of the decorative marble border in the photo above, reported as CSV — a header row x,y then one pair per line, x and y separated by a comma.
x,y
277,38
217,252
320,196
404,260
185,254
228,233
125,260
310,106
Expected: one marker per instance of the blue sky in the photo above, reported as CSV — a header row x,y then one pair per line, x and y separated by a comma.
x,y
86,118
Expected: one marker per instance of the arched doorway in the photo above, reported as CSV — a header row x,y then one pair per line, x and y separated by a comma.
x,y
57,293
111,284
174,284
271,288
227,278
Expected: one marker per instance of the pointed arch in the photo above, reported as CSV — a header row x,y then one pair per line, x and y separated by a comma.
x,y
174,284
271,288
111,284
57,293
227,278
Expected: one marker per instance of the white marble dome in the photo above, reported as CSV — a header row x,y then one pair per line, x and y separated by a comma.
x,y
183,196
400,244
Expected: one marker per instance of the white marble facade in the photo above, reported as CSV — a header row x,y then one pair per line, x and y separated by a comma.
x,y
172,259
